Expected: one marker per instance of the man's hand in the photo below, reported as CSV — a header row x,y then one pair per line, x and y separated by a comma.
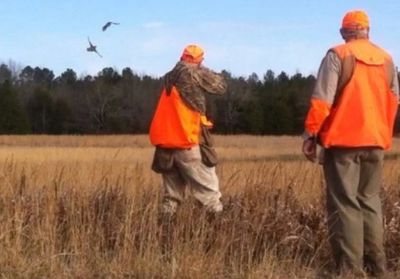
x,y
310,149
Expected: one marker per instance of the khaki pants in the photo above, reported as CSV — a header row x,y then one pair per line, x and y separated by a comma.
x,y
190,172
353,177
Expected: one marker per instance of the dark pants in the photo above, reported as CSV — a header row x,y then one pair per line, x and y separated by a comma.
x,y
353,177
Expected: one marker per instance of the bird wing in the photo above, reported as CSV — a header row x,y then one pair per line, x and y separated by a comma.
x,y
98,53
106,25
90,43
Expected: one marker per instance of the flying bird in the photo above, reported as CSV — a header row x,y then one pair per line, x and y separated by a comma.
x,y
108,24
92,48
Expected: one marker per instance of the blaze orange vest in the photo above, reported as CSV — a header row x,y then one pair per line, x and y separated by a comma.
x,y
174,124
364,112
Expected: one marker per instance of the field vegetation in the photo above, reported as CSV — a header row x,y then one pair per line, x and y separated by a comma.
x,y
88,207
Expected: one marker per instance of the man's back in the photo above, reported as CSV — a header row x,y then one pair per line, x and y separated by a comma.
x,y
366,99
193,82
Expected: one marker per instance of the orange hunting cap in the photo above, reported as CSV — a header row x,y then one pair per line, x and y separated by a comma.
x,y
356,19
193,54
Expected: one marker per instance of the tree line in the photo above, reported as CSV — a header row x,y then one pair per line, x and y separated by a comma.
x,y
35,101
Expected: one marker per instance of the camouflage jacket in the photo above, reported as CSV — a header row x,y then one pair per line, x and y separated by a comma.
x,y
193,82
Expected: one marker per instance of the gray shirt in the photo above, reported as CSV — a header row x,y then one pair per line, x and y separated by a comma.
x,y
328,76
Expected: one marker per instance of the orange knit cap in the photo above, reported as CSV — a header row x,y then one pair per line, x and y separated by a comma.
x,y
356,19
193,54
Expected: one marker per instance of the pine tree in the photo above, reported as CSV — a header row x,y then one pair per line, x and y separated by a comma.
x,y
13,119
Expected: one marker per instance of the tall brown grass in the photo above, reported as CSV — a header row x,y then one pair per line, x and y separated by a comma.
x,y
88,207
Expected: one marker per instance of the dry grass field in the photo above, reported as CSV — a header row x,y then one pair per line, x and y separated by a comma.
x,y
87,207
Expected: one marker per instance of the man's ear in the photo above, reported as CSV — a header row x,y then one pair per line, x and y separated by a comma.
x,y
342,33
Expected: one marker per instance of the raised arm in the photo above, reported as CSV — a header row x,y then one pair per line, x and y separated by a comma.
x,y
210,81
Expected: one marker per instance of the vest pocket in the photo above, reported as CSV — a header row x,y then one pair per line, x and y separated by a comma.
x,y
208,154
163,160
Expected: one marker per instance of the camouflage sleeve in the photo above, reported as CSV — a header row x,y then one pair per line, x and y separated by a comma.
x,y
210,81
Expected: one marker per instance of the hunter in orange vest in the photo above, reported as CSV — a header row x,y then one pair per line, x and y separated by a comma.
x,y
352,113
174,124
178,129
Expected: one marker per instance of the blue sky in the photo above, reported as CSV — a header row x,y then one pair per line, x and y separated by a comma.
x,y
240,36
